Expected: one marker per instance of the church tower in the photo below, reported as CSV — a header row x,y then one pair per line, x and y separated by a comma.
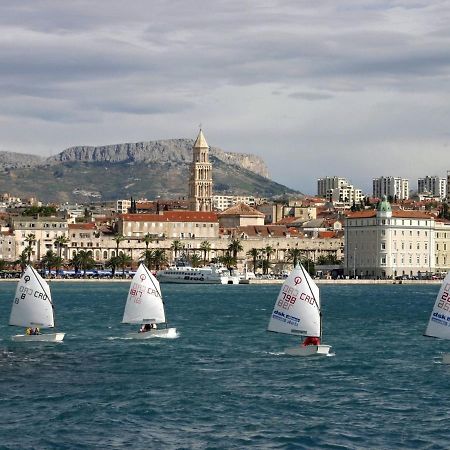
x,y
200,182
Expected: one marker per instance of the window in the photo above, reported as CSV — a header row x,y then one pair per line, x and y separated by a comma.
x,y
383,246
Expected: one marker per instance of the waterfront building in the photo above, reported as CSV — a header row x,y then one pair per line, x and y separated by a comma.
x,y
200,181
442,242
44,231
448,186
7,246
122,206
395,188
434,185
389,243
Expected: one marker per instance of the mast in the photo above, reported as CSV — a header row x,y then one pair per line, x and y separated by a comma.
x,y
315,301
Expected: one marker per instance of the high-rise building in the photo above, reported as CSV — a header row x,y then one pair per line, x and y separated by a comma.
x,y
328,183
395,187
448,186
200,182
436,186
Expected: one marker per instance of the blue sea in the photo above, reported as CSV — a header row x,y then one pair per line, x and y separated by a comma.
x,y
224,382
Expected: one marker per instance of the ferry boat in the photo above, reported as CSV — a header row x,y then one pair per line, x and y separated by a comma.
x,y
196,275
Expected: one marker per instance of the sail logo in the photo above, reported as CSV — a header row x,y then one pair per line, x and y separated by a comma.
x,y
286,318
441,318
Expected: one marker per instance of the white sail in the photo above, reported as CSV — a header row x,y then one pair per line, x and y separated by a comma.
x,y
32,305
297,308
144,302
439,323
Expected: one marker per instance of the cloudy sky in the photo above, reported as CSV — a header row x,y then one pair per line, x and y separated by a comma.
x,y
354,88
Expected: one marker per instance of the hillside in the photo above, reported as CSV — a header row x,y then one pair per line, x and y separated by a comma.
x,y
145,169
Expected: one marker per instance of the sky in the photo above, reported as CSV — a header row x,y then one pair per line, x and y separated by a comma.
x,y
351,88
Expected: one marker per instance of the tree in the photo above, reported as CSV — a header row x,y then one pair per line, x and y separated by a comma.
x,y
228,261
124,261
50,260
23,259
268,251
3,264
60,242
294,255
235,247
148,239
205,247
148,256
30,240
195,260
112,263
160,258
83,260
118,239
254,253
176,247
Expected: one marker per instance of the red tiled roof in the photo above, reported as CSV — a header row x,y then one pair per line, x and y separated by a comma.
x,y
171,216
241,209
399,213
82,226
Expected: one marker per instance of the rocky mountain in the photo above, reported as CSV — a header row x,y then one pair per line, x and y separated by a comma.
x,y
143,169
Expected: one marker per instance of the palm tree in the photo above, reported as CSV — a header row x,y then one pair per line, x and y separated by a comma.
x,y
3,264
148,239
255,254
228,261
148,256
83,260
176,247
30,240
195,260
205,247
124,261
294,254
60,242
51,259
23,260
268,251
235,247
160,258
118,239
112,263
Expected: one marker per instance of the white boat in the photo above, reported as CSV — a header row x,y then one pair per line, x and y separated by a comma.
x,y
145,306
297,312
197,275
33,308
439,323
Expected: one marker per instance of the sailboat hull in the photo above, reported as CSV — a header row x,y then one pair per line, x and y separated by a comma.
x,y
50,337
308,350
446,358
164,333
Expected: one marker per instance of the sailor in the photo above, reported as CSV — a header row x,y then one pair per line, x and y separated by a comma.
x,y
154,326
36,331
311,340
28,331
144,328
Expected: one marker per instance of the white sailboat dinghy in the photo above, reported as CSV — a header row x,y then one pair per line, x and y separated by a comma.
x,y
297,312
33,308
145,306
439,323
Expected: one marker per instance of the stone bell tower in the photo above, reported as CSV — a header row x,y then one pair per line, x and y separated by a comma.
x,y
200,181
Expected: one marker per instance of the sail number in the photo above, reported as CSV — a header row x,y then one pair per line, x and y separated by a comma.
x,y
31,293
444,301
289,296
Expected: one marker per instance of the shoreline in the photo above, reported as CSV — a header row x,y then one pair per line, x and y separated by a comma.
x,y
253,282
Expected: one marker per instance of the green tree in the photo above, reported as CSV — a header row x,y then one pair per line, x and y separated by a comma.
x,y
148,239
30,239
83,260
254,253
112,264
228,261
176,247
51,260
205,247
124,261
294,255
195,260
23,260
235,247
160,258
60,242
268,251
118,239
148,257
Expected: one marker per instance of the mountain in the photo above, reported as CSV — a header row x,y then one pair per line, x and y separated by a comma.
x,y
143,169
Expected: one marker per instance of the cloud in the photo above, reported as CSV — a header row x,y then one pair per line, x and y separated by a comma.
x,y
328,83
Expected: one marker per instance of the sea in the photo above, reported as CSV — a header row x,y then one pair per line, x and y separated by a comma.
x,y
224,382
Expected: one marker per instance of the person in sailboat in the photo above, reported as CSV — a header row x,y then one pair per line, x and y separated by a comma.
x,y
144,328
28,331
311,340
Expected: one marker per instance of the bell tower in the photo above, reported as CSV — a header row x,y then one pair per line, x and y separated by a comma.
x,y
200,181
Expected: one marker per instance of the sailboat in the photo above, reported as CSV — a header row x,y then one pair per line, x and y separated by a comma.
x,y
145,306
439,323
297,312
33,308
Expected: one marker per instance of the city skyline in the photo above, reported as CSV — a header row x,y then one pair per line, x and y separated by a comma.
x,y
356,89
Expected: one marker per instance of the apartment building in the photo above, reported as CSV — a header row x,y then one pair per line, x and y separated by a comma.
x,y
434,185
327,184
395,187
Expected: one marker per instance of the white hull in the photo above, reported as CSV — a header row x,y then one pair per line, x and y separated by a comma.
x,y
50,337
308,350
163,332
446,358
